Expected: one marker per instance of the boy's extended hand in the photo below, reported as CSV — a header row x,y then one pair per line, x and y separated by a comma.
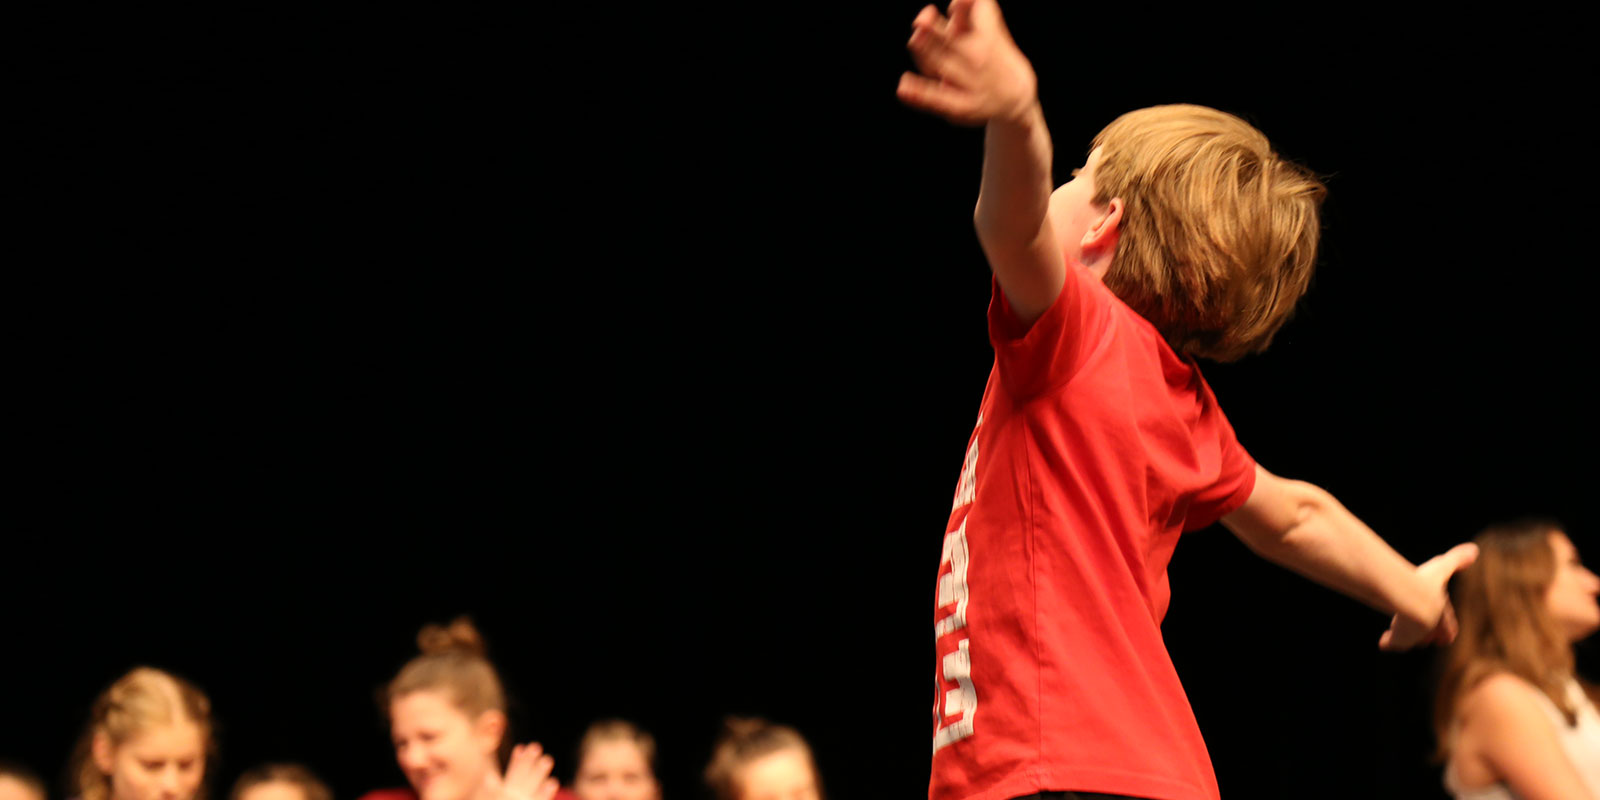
x,y
972,71
1405,632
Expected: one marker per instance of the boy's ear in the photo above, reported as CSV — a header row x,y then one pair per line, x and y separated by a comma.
x,y
1102,235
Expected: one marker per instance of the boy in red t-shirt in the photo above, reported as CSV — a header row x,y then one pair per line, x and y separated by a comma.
x,y
1099,443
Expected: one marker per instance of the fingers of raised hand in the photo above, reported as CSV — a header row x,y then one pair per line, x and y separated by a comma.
x,y
528,772
934,96
930,17
536,779
932,52
961,16
523,759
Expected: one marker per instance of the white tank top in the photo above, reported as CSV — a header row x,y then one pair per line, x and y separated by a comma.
x,y
1581,744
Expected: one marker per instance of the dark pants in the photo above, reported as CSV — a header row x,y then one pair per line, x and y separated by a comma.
x,y
1075,796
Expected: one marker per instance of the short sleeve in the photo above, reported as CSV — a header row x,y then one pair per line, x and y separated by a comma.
x,y
1032,360
1235,469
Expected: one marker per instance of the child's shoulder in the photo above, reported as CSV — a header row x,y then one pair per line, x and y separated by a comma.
x,y
1499,697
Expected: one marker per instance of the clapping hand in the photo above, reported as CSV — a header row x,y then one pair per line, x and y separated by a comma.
x,y
528,774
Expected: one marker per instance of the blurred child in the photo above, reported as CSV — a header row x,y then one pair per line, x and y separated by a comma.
x,y
757,760
279,782
447,714
616,761
1512,718
148,738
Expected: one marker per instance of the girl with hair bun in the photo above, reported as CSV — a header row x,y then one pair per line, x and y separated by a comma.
x,y
148,738
1512,718
757,760
447,716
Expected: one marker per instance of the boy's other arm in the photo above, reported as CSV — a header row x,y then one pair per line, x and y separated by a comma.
x,y
974,74
1302,527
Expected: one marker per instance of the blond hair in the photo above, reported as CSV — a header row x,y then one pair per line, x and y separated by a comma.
x,y
1505,624
142,699
1219,233
743,740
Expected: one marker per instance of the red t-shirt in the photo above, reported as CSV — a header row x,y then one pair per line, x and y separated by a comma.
x,y
1096,446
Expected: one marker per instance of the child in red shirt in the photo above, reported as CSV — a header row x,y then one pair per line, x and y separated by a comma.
x,y
1098,442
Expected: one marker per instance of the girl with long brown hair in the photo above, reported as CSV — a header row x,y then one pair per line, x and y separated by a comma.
x,y
1513,720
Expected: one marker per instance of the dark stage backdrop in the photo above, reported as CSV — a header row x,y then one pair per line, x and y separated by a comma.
x,y
653,342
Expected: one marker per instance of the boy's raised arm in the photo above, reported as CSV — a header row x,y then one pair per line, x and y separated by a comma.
x,y
1302,527
974,74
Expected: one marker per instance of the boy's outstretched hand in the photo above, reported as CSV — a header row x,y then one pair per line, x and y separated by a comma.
x,y
972,71
1405,632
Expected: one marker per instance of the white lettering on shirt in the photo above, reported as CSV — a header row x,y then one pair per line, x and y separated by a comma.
x,y
963,699
956,667
953,584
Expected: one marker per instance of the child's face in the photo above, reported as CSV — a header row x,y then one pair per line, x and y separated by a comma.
x,y
1571,596
445,754
783,775
1074,217
615,769
164,762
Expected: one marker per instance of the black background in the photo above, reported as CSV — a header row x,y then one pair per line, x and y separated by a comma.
x,y
652,339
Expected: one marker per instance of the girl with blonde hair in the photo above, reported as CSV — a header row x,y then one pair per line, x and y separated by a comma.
x,y
148,738
1512,718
